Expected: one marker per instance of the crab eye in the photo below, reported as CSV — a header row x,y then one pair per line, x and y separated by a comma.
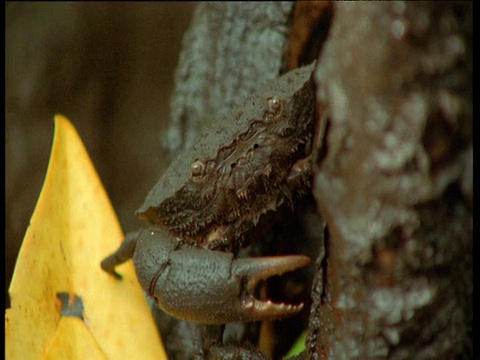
x,y
197,168
273,104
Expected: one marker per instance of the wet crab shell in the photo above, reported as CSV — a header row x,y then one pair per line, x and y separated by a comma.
x,y
208,143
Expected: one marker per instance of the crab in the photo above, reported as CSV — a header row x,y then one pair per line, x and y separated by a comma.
x,y
199,211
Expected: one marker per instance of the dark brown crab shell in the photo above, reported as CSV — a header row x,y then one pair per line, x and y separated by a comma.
x,y
167,192
187,279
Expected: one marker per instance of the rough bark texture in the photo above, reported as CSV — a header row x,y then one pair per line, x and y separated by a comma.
x,y
394,183
393,174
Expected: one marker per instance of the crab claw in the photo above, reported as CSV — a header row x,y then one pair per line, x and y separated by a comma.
x,y
209,287
257,269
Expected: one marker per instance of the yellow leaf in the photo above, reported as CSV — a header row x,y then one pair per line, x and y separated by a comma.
x,y
71,230
73,340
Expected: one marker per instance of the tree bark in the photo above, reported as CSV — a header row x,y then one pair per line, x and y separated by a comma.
x,y
394,183
393,167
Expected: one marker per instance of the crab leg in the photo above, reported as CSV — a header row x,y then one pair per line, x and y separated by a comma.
x,y
124,253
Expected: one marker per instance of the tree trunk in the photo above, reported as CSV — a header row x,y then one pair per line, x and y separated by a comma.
x,y
393,162
394,183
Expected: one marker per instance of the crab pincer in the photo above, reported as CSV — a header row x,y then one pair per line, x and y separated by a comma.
x,y
207,286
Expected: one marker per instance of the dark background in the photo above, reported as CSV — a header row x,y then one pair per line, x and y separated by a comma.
x,y
108,67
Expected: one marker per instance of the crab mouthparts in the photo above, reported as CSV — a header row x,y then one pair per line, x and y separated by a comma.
x,y
257,269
